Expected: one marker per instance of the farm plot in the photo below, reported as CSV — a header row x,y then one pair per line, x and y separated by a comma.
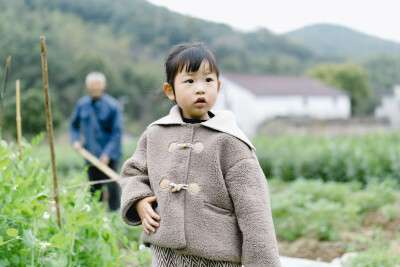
x,y
315,217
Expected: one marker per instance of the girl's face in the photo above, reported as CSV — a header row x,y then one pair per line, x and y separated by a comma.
x,y
195,92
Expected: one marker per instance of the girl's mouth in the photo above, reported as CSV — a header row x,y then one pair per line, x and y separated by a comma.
x,y
200,102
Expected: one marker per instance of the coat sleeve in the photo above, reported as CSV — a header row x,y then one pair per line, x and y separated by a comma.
x,y
248,189
135,183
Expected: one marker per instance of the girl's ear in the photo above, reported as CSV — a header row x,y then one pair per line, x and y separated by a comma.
x,y
219,86
169,91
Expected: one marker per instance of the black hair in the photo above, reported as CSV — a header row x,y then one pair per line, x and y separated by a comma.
x,y
189,56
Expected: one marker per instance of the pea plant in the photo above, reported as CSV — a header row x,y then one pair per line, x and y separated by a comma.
x,y
29,235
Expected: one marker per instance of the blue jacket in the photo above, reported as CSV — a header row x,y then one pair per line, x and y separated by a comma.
x,y
100,122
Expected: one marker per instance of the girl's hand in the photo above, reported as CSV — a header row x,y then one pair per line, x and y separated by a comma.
x,y
147,214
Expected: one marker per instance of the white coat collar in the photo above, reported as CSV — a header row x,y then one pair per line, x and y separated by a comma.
x,y
223,121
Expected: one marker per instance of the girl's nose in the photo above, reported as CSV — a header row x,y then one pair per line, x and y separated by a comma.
x,y
200,89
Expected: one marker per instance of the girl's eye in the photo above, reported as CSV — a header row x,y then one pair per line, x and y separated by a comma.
x,y
208,80
189,81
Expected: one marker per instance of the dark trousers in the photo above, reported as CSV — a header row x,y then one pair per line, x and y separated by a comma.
x,y
113,187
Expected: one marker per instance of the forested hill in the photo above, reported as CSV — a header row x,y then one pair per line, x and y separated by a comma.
x,y
149,31
128,40
329,40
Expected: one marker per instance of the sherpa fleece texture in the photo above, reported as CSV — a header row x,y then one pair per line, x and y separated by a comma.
x,y
229,218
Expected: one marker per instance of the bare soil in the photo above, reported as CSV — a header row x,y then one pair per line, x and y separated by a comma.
x,y
356,240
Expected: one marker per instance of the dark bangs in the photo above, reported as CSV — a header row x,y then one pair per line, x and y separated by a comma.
x,y
189,56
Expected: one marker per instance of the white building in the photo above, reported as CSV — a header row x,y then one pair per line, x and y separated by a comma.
x,y
255,99
390,108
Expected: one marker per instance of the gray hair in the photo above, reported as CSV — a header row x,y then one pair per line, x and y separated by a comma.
x,y
95,76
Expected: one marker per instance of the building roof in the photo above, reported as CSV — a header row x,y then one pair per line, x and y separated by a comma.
x,y
281,85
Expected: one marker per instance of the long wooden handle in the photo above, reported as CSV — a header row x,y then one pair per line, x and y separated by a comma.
x,y
100,165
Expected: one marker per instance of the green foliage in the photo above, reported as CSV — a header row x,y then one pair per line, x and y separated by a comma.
x,y
33,114
384,73
321,210
341,159
91,236
372,258
75,46
348,77
127,40
380,254
256,52
83,36
29,234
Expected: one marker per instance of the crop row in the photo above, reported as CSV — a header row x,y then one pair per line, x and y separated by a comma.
x,y
341,159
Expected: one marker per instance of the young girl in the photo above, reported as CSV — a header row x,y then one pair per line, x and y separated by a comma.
x,y
194,182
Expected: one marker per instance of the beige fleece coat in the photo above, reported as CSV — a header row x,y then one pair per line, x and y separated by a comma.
x,y
223,210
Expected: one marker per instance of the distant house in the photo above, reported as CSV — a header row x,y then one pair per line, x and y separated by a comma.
x,y
255,99
390,108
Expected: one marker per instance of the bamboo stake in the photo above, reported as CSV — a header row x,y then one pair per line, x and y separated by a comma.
x,y
49,123
100,165
19,131
3,93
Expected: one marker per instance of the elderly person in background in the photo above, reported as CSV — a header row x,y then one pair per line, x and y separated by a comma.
x,y
99,118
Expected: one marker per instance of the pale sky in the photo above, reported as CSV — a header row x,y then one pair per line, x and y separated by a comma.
x,y
377,18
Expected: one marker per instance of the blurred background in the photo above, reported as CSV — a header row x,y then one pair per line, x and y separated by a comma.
x,y
128,40
315,85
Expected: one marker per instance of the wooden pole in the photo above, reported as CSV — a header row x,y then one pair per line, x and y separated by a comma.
x,y
3,93
19,131
49,124
100,165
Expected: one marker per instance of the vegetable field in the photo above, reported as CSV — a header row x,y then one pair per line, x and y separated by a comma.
x,y
29,234
340,159
328,197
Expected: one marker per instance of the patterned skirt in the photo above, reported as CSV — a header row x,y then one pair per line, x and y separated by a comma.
x,y
166,257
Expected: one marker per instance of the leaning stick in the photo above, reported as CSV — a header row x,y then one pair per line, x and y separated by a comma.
x,y
19,131
100,165
3,93
49,124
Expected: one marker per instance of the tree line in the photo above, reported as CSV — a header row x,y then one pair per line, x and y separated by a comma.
x,y
127,40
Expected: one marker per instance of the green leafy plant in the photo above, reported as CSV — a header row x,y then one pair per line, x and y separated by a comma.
x,y
341,159
380,254
29,234
322,209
